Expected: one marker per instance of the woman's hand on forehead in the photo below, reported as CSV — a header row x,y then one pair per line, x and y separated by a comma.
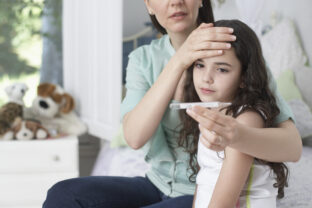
x,y
204,42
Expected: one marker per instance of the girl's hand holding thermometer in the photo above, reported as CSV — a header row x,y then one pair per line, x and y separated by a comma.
x,y
178,106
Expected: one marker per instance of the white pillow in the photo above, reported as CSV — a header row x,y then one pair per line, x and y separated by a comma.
x,y
282,49
303,117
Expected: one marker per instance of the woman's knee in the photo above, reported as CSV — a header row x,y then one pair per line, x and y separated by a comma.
x,y
61,195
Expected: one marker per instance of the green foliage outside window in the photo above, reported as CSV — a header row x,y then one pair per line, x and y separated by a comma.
x,y
21,41
20,24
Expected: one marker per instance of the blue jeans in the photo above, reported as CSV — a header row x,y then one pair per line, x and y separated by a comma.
x,y
111,192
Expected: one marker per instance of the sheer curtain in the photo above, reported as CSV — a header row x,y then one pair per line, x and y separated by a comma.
x,y
52,56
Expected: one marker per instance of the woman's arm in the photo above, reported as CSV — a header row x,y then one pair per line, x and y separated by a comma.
x,y
281,144
235,169
141,122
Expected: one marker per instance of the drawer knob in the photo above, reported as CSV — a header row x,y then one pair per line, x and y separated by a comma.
x,y
56,158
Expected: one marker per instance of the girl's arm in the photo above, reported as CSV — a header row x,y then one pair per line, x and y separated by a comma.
x,y
194,199
235,169
281,144
232,178
142,121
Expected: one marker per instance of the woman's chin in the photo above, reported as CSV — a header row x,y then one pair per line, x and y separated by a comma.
x,y
180,28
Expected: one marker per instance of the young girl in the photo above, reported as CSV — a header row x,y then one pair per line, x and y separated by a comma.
x,y
231,178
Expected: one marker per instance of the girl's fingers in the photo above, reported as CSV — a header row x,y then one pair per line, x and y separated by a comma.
x,y
209,145
211,136
215,116
207,123
213,121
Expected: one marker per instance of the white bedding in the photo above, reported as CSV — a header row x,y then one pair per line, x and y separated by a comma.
x,y
128,162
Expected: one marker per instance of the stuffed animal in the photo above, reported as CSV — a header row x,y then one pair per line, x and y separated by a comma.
x,y
28,130
16,92
54,108
12,110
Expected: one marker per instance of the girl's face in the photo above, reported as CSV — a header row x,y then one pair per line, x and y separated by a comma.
x,y
217,78
175,15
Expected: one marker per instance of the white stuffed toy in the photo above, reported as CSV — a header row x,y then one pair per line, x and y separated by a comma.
x,y
12,109
16,92
54,108
28,130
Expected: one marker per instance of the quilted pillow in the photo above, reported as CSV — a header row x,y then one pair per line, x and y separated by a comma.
x,y
282,49
303,117
287,87
118,140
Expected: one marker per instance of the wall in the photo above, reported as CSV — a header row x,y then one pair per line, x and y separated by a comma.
x,y
92,52
134,16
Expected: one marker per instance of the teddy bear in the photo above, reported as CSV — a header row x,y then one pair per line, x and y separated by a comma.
x,y
12,109
54,108
28,130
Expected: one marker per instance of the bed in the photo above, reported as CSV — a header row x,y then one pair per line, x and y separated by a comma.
x,y
123,161
288,54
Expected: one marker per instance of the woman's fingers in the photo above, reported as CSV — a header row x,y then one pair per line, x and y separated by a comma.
x,y
204,42
223,34
220,37
207,54
213,45
205,25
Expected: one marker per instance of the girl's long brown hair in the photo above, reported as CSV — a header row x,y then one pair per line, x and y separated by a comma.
x,y
254,96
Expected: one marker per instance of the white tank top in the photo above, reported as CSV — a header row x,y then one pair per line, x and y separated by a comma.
x,y
258,192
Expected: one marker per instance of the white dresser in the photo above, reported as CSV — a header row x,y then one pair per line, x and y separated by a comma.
x,y
29,168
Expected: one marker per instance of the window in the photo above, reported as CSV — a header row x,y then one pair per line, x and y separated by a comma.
x,y
30,44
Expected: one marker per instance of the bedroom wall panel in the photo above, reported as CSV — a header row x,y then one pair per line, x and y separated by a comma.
x,y
92,47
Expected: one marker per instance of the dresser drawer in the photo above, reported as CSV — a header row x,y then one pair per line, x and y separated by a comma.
x,y
39,156
28,190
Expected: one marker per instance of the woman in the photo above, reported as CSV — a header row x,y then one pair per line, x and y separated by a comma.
x,y
154,79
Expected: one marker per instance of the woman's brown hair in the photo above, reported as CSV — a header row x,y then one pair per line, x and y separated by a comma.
x,y
205,15
254,96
